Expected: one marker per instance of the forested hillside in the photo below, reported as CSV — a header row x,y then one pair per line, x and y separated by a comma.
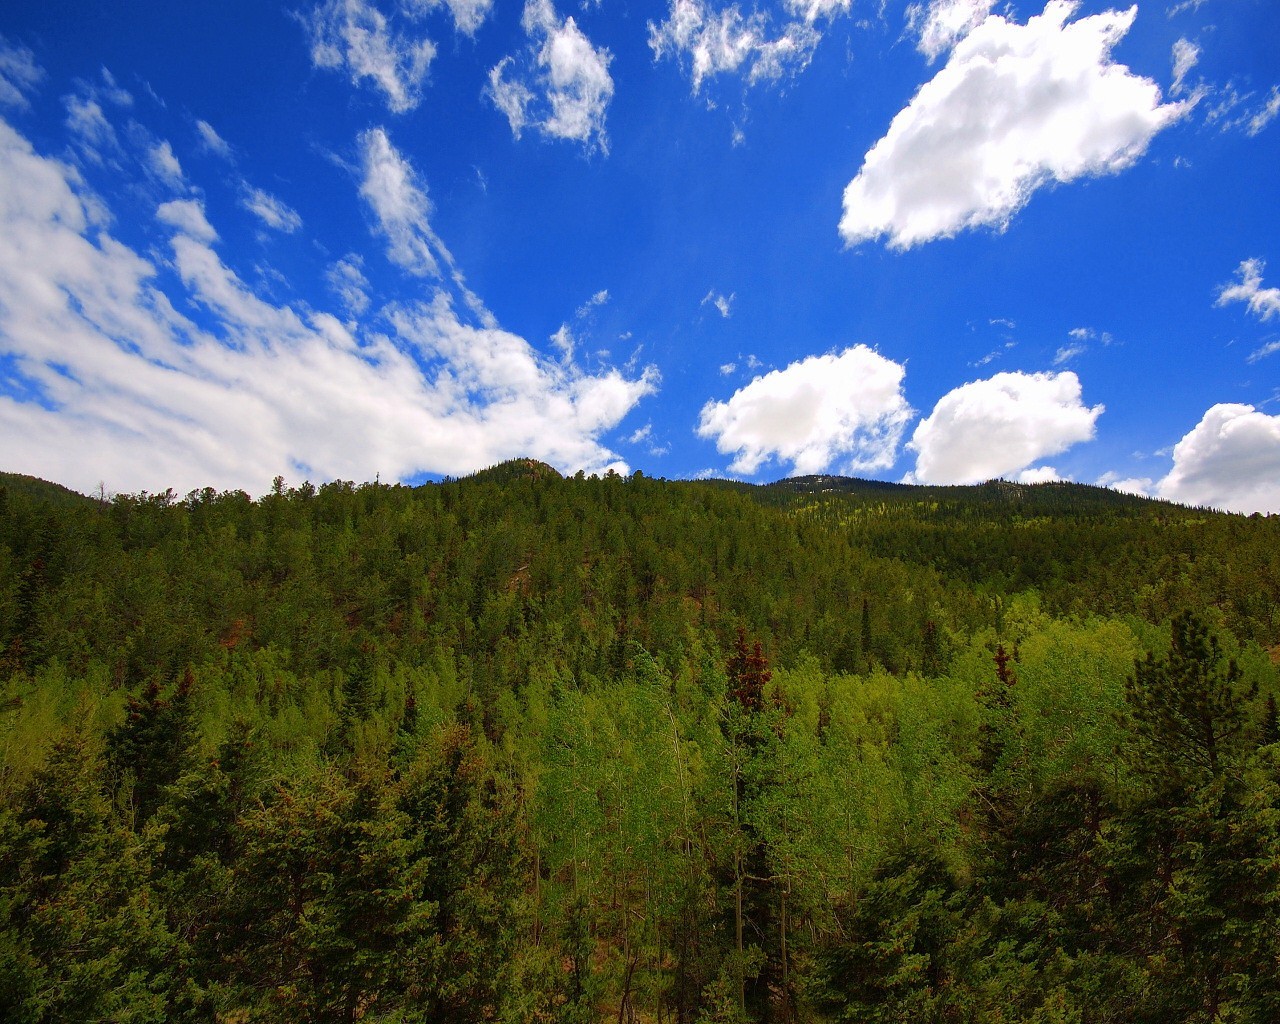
x,y
524,748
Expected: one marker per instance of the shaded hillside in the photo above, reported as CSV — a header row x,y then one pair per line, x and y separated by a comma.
x,y
33,488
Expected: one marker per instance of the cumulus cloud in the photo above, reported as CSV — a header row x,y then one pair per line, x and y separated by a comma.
x,y
1264,303
1039,475
1229,460
1016,107
716,42
845,409
1000,426
1142,486
355,37
19,74
119,385
562,85
270,210
940,24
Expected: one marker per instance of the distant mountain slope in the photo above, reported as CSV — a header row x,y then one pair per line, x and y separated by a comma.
x,y
1033,499
515,469
34,487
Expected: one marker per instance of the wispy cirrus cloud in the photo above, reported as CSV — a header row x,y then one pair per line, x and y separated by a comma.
x,y
116,383
273,212
940,24
346,280
1015,108
561,85
1264,303
20,76
722,303
212,141
711,42
1186,55
355,37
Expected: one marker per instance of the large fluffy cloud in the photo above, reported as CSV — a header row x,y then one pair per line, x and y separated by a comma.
x,y
1015,108
1229,460
998,427
109,380
562,85
846,409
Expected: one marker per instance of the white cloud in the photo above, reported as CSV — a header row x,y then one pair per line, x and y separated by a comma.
x,y
1068,352
347,281
212,141
1016,108
1264,303
187,216
1039,475
468,15
563,80
353,35
811,11
1263,351
847,409
1266,113
716,42
1140,485
399,203
270,210
564,341
94,137
943,23
723,304
595,302
19,74
1229,460
1233,110
728,368
165,165
1186,55
510,95
131,391
1000,426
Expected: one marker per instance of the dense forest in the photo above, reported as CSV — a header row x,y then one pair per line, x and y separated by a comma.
x,y
526,748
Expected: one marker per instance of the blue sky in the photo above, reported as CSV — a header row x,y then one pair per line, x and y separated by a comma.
x,y
941,241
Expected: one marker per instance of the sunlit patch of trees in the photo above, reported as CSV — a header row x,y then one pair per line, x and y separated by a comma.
x,y
523,748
